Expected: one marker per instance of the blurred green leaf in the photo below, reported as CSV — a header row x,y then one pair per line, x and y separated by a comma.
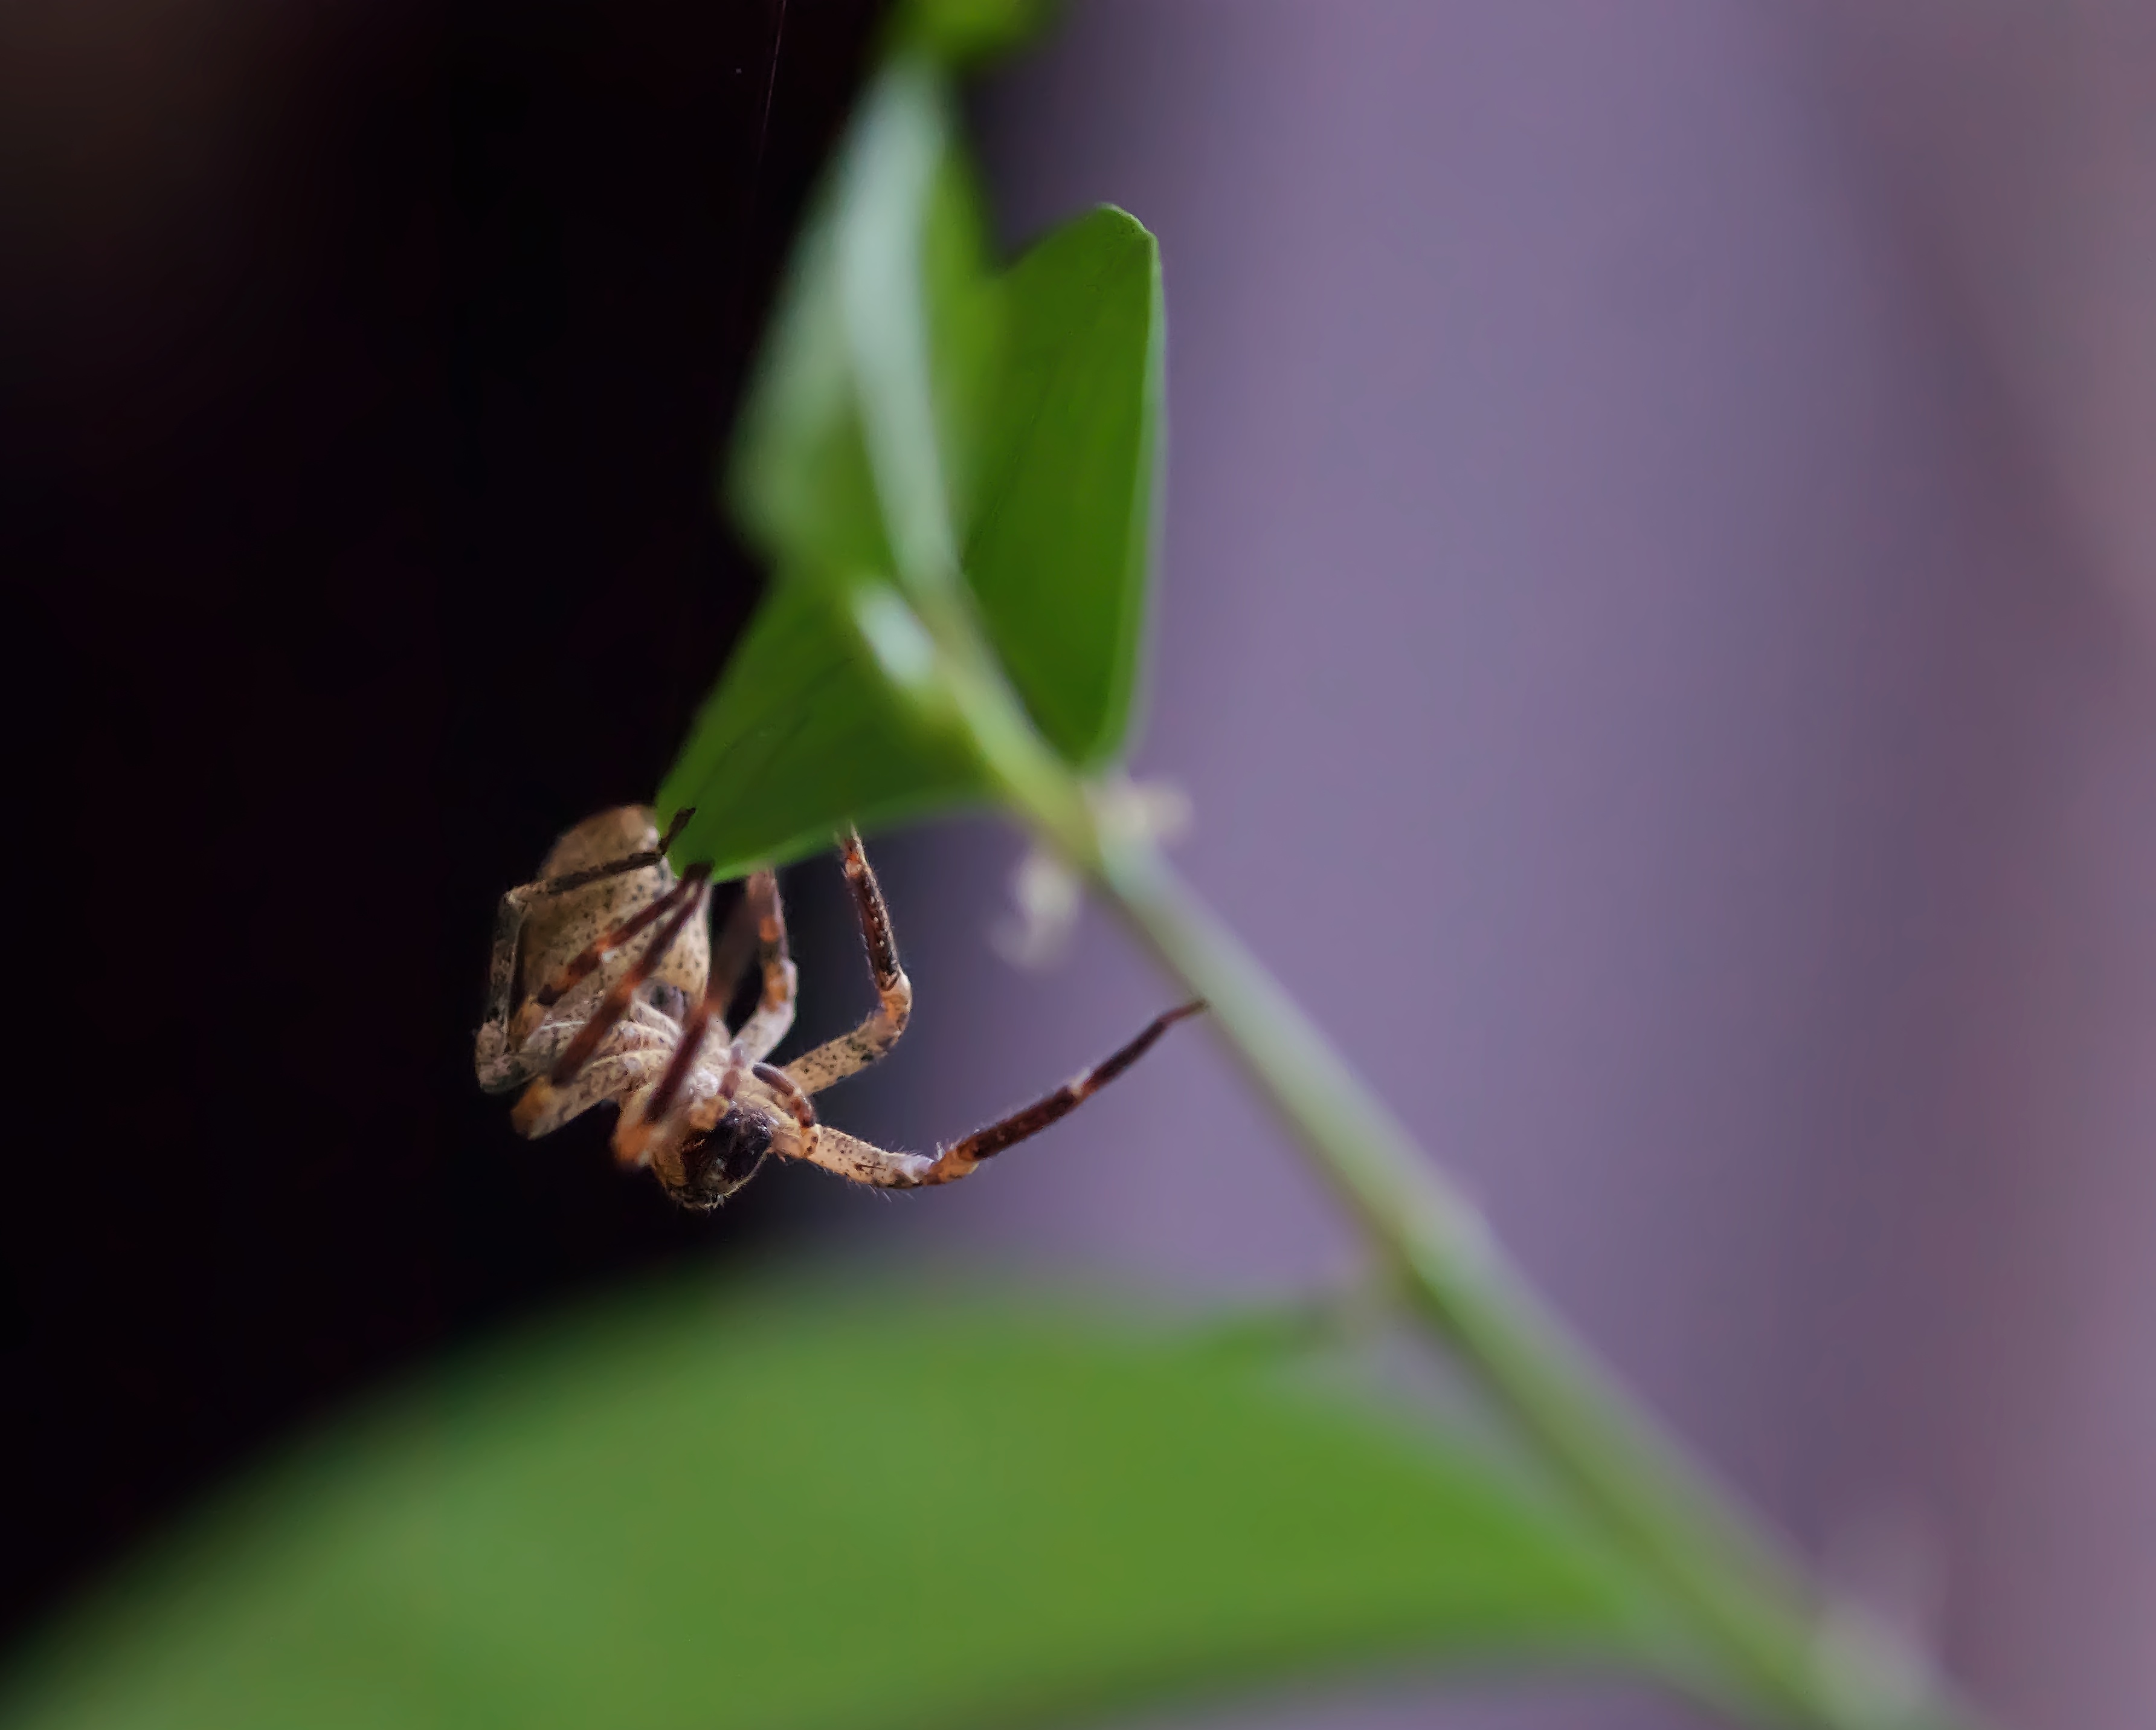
x,y
965,31
866,1509
1060,548
893,248
800,735
798,482
918,314
803,733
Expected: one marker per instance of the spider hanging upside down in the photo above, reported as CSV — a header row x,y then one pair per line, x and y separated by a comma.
x,y
577,1012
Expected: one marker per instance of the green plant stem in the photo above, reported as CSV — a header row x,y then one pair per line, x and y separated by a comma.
x,y
1744,1605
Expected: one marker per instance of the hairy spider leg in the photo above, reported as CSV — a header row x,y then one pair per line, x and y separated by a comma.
x,y
730,959
850,1052
758,918
772,1019
731,954
613,1074
603,947
756,922
537,1098
866,1163
656,1118
516,906
616,868
792,1097
615,1004
956,1160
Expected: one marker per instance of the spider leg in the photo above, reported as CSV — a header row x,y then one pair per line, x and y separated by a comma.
x,y
615,867
617,1002
614,1075
757,917
662,1115
498,1060
773,1015
732,954
860,1162
850,1052
510,1053
641,1029
866,1163
792,1096
688,891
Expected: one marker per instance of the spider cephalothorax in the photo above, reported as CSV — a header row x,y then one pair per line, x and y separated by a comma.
x,y
605,986
702,1170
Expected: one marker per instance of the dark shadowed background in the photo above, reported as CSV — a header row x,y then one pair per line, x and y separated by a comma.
x,y
367,365
1655,623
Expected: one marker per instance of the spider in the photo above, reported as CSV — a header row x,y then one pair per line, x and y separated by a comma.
x,y
577,1012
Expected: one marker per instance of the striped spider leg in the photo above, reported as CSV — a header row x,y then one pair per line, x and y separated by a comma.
x,y
598,964
552,959
863,1162
599,1016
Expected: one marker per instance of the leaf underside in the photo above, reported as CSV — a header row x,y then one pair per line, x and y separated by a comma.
x,y
802,734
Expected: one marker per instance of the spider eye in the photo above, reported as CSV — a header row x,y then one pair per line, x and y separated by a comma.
x,y
668,999
714,1166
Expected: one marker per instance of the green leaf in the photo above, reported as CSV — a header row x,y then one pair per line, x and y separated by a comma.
x,y
966,32
862,1510
1061,549
800,736
907,396
805,732
797,481
888,294
908,290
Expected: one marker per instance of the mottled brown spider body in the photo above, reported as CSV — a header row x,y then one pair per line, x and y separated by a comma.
x,y
604,987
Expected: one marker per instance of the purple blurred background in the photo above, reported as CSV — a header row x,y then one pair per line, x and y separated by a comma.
x,y
1657,624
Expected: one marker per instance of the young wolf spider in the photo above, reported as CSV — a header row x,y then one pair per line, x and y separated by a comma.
x,y
577,1012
